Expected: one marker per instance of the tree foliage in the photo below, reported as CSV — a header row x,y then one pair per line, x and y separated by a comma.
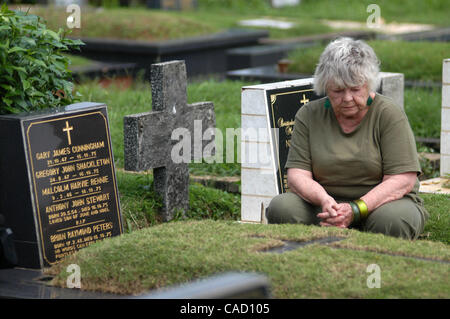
x,y
33,72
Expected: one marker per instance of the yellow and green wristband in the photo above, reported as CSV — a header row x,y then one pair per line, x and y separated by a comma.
x,y
356,214
360,211
363,210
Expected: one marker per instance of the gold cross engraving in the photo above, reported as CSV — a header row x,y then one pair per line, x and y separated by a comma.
x,y
305,100
67,129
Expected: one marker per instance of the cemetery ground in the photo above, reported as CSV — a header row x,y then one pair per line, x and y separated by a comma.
x,y
180,252
210,240
214,16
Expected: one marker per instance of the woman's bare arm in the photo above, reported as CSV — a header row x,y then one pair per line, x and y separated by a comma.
x,y
301,182
392,187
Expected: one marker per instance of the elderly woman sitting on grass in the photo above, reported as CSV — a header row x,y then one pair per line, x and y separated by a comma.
x,y
352,160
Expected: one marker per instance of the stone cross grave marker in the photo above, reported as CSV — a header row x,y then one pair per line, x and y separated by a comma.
x,y
149,140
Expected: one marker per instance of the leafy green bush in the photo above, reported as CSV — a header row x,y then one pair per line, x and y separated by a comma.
x,y
33,72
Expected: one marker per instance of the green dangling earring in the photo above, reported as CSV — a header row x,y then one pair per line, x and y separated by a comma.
x,y
327,104
369,101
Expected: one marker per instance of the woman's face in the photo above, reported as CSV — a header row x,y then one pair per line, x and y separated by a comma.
x,y
348,101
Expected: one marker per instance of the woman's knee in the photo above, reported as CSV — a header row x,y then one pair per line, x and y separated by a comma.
x,y
290,208
400,218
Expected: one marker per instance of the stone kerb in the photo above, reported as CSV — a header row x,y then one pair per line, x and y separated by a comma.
x,y
445,121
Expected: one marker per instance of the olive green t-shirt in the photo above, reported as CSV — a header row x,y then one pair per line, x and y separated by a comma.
x,y
349,165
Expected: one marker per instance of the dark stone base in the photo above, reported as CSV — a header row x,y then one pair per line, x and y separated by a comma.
x,y
20,283
104,70
264,74
203,55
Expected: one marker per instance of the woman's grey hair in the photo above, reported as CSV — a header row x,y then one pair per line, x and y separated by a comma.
x,y
346,62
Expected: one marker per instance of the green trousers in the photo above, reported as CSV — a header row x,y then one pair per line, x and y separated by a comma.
x,y
403,218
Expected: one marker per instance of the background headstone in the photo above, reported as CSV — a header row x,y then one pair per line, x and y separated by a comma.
x,y
445,119
284,3
262,167
148,139
58,190
172,4
66,3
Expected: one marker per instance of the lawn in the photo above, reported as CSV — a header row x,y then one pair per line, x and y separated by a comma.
x,y
209,240
139,23
419,61
133,23
179,252
140,204
418,11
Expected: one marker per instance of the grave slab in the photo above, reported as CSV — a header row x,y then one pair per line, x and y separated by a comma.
x,y
33,284
202,54
261,55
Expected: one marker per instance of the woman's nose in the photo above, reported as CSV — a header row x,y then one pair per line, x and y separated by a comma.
x,y
347,95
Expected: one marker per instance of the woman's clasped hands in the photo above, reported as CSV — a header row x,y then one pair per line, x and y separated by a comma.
x,y
335,214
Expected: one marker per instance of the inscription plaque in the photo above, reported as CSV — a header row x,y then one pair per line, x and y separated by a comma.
x,y
70,195
283,104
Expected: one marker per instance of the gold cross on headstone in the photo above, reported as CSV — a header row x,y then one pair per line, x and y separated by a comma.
x,y
67,129
305,100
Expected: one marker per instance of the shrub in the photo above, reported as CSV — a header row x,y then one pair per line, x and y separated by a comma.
x,y
33,72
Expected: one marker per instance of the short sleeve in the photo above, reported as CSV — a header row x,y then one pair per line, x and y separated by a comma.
x,y
398,146
299,155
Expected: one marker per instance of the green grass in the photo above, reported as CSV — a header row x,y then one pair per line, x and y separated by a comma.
x,y
179,252
140,23
437,227
418,11
130,23
156,25
423,108
416,60
77,61
140,204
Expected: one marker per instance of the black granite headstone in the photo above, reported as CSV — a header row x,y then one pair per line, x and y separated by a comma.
x,y
58,189
283,105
